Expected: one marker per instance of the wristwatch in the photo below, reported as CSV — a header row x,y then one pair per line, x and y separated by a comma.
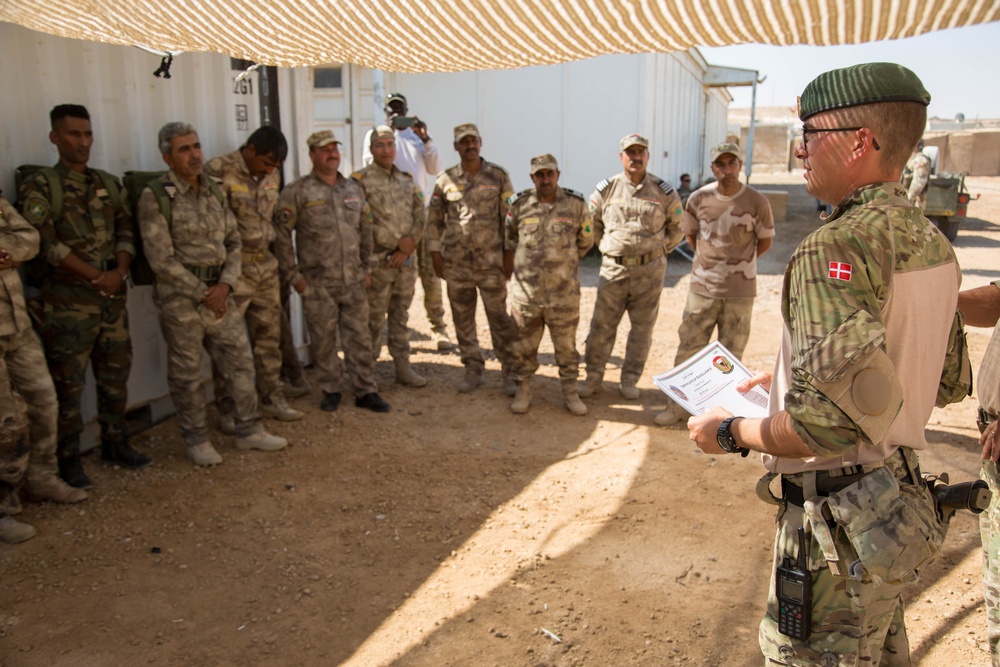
x,y
726,440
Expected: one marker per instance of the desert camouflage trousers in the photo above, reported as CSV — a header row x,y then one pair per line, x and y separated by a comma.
x,y
344,309
391,293
703,314
189,327
28,415
989,530
853,622
562,320
77,326
463,298
433,294
636,290
257,298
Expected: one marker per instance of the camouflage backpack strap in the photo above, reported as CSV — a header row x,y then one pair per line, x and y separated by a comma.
x,y
111,185
163,191
213,186
55,190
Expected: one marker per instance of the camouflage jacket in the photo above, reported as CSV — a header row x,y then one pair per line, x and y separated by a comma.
x,y
397,206
870,343
21,240
632,220
333,232
465,219
548,241
94,223
201,233
251,201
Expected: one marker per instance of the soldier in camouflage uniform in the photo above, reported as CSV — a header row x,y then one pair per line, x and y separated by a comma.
x,y
196,258
465,239
728,226
86,250
397,206
855,381
547,231
27,433
250,179
981,307
329,266
917,176
417,155
637,221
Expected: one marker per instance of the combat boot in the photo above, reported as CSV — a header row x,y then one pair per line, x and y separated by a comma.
x,y
522,401
12,532
50,487
227,424
628,389
297,388
674,416
276,407
71,471
120,452
204,454
473,378
509,384
405,374
442,341
594,384
572,399
262,441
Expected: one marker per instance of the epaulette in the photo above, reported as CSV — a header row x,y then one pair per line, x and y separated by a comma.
x,y
574,193
603,185
218,180
664,185
522,193
498,168
358,175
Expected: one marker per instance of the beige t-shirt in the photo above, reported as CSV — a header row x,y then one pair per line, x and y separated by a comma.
x,y
727,230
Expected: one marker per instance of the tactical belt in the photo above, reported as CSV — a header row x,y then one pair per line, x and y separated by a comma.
x,y
985,419
831,481
638,260
207,274
251,255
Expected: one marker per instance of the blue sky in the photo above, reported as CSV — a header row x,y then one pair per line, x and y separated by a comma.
x,y
960,67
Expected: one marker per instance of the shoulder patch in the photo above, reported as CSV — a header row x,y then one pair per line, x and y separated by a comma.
x,y
602,186
574,193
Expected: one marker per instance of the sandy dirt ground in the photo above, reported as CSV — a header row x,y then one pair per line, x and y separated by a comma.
x,y
451,532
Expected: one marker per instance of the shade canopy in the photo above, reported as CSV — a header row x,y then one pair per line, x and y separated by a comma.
x,y
455,35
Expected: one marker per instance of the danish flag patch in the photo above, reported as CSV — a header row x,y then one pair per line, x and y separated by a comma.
x,y
840,271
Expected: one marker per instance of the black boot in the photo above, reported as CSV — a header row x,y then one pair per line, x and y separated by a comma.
x,y
121,453
71,471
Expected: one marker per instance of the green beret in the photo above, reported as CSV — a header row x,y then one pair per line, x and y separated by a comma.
x,y
861,84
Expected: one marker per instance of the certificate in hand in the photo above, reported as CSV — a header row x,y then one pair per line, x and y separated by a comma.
x,y
708,380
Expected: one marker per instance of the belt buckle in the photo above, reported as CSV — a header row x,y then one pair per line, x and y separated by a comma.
x,y
631,261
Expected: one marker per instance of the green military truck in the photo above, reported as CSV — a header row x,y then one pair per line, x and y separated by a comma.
x,y
947,201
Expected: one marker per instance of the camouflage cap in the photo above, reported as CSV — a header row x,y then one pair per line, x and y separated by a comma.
x,y
723,148
382,132
867,83
395,97
634,140
466,130
321,138
543,162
